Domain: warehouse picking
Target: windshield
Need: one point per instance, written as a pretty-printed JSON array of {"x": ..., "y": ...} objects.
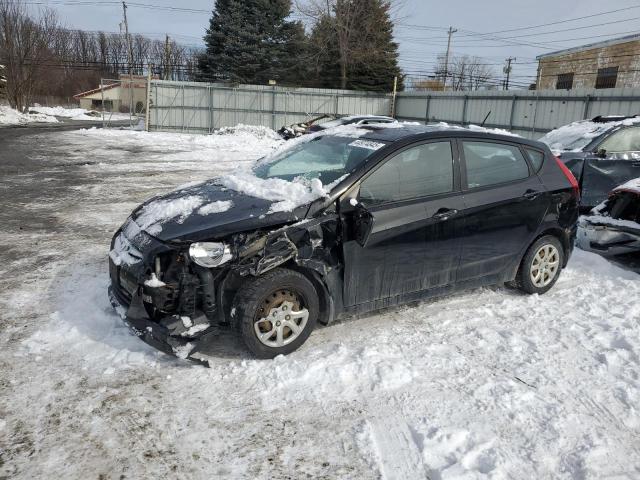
[{"x": 325, "y": 157}]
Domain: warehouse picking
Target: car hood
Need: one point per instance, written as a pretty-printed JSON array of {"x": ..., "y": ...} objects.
[{"x": 208, "y": 211}]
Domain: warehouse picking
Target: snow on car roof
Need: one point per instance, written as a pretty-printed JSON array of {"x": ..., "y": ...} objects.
[{"x": 577, "y": 135}]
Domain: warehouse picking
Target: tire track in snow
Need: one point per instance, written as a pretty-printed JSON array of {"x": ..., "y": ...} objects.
[{"x": 397, "y": 450}]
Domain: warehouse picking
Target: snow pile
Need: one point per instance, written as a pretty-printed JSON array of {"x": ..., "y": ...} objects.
[
  {"x": 577, "y": 135},
  {"x": 215, "y": 207},
  {"x": 287, "y": 195},
  {"x": 212, "y": 152},
  {"x": 78, "y": 113},
  {"x": 254, "y": 130},
  {"x": 9, "y": 116},
  {"x": 157, "y": 212},
  {"x": 73, "y": 113}
]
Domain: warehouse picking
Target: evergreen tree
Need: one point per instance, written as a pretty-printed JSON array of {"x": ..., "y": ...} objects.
[
  {"x": 325, "y": 53},
  {"x": 251, "y": 41},
  {"x": 354, "y": 47},
  {"x": 376, "y": 62}
]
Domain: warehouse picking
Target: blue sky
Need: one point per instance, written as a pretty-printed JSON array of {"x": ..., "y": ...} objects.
[{"x": 420, "y": 26}]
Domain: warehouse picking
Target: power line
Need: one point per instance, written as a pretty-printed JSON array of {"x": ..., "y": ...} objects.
[{"x": 531, "y": 27}]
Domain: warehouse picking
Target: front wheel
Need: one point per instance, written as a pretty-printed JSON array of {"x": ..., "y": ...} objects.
[
  {"x": 541, "y": 266},
  {"x": 276, "y": 312}
]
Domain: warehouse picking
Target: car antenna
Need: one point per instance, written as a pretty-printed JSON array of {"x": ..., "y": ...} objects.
[{"x": 485, "y": 119}]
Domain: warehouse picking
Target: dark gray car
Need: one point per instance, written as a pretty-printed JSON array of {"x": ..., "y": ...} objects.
[{"x": 602, "y": 153}]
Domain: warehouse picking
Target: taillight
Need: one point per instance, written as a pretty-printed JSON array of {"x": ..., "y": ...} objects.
[{"x": 570, "y": 177}]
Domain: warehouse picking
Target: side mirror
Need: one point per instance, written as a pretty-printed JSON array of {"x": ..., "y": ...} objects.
[
  {"x": 362, "y": 224},
  {"x": 601, "y": 153}
]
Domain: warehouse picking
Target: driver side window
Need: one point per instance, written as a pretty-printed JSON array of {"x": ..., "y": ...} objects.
[
  {"x": 625, "y": 140},
  {"x": 417, "y": 172}
]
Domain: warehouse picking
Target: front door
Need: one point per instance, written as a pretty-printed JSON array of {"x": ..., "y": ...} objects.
[
  {"x": 615, "y": 161},
  {"x": 402, "y": 236},
  {"x": 505, "y": 202}
]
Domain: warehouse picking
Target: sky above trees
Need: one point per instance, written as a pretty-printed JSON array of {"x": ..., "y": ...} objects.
[{"x": 420, "y": 27}]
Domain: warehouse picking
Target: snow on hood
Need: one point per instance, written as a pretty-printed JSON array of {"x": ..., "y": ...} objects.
[
  {"x": 286, "y": 195},
  {"x": 157, "y": 212},
  {"x": 577, "y": 135}
]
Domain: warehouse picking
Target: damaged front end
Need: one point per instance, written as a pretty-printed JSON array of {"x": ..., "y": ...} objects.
[
  {"x": 178, "y": 296},
  {"x": 613, "y": 227}
]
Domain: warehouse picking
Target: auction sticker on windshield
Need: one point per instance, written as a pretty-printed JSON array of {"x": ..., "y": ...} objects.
[{"x": 368, "y": 144}]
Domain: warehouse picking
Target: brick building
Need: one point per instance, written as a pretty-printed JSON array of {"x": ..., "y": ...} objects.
[{"x": 609, "y": 64}]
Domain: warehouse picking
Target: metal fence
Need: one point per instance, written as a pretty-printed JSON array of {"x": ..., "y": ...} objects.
[
  {"x": 527, "y": 113},
  {"x": 203, "y": 107}
]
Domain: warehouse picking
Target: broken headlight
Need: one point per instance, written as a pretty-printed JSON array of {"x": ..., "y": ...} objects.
[{"x": 210, "y": 254}]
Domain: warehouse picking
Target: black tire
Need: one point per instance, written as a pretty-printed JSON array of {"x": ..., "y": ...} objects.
[
  {"x": 524, "y": 279},
  {"x": 256, "y": 292}
]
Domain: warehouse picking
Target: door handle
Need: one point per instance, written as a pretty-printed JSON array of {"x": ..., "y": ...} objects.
[
  {"x": 444, "y": 214},
  {"x": 531, "y": 194},
  {"x": 635, "y": 164}
]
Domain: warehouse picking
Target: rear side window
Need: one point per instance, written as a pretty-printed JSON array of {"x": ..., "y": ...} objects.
[
  {"x": 493, "y": 163},
  {"x": 536, "y": 158},
  {"x": 417, "y": 172}
]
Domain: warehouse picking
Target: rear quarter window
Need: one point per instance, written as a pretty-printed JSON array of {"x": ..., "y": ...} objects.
[{"x": 536, "y": 158}]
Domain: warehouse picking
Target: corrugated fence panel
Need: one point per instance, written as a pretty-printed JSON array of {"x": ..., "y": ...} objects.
[
  {"x": 528, "y": 113},
  {"x": 200, "y": 107}
]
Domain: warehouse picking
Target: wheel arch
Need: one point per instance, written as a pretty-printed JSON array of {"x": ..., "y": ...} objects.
[
  {"x": 233, "y": 281},
  {"x": 553, "y": 231}
]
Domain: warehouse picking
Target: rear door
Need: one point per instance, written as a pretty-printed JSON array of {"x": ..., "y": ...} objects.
[
  {"x": 505, "y": 202},
  {"x": 403, "y": 233}
]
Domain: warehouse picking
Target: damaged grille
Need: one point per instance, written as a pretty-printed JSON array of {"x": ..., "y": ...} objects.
[{"x": 125, "y": 259}]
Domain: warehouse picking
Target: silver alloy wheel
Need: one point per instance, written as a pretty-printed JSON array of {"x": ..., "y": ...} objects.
[
  {"x": 282, "y": 325},
  {"x": 545, "y": 265}
]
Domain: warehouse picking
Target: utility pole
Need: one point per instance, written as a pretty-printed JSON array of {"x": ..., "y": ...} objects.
[
  {"x": 446, "y": 60},
  {"x": 507, "y": 70},
  {"x": 167, "y": 58},
  {"x": 126, "y": 32},
  {"x": 3, "y": 82}
]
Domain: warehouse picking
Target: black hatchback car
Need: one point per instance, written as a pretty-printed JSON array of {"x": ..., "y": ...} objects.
[{"x": 409, "y": 212}]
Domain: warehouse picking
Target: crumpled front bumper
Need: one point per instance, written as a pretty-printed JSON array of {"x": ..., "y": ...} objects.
[
  {"x": 136, "y": 318},
  {"x": 607, "y": 239}
]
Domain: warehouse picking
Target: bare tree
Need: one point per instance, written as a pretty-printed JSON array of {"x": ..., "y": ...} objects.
[
  {"x": 465, "y": 73},
  {"x": 44, "y": 61},
  {"x": 25, "y": 49}
]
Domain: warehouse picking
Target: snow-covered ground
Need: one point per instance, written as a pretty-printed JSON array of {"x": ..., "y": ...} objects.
[
  {"x": 78, "y": 113},
  {"x": 9, "y": 116},
  {"x": 39, "y": 114},
  {"x": 485, "y": 384}
]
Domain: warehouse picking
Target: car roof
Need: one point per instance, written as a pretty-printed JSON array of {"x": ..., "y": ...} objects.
[
  {"x": 363, "y": 117},
  {"x": 401, "y": 131}
]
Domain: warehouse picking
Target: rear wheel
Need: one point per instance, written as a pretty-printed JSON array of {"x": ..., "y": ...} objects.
[
  {"x": 276, "y": 312},
  {"x": 541, "y": 266}
]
